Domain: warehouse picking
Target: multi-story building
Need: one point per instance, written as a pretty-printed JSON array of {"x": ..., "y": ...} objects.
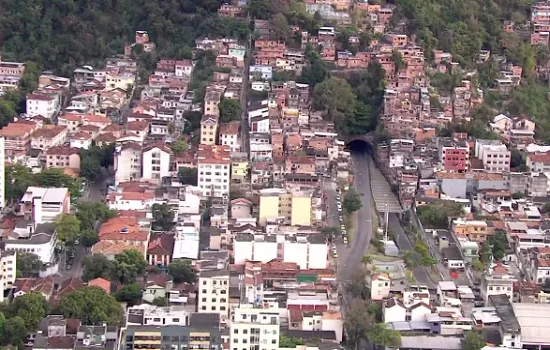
[
  {"x": 49, "y": 202},
  {"x": 17, "y": 138},
  {"x": 255, "y": 328},
  {"x": 149, "y": 315},
  {"x": 539, "y": 162},
  {"x": 494, "y": 155},
  {"x": 291, "y": 208},
  {"x": 10, "y": 74},
  {"x": 229, "y": 135},
  {"x": 211, "y": 103},
  {"x": 49, "y": 136},
  {"x": 454, "y": 155},
  {"x": 156, "y": 161},
  {"x": 214, "y": 171},
  {"x": 202, "y": 333},
  {"x": 8, "y": 261},
  {"x": 127, "y": 162},
  {"x": 497, "y": 281},
  {"x": 42, "y": 104},
  {"x": 214, "y": 293},
  {"x": 473, "y": 230},
  {"x": 209, "y": 129},
  {"x": 63, "y": 157}
]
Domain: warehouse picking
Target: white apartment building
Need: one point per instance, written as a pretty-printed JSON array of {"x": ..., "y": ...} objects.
[
  {"x": 229, "y": 135},
  {"x": 308, "y": 252},
  {"x": 8, "y": 261},
  {"x": 150, "y": 315},
  {"x": 49, "y": 202},
  {"x": 214, "y": 163},
  {"x": 41, "y": 104},
  {"x": 2, "y": 172},
  {"x": 127, "y": 162},
  {"x": 156, "y": 161},
  {"x": 494, "y": 155},
  {"x": 214, "y": 293},
  {"x": 255, "y": 328},
  {"x": 497, "y": 282}
]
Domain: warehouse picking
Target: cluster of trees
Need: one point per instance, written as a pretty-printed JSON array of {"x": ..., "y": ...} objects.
[
  {"x": 95, "y": 158},
  {"x": 126, "y": 268},
  {"x": 19, "y": 177},
  {"x": 61, "y": 34},
  {"x": 82, "y": 224},
  {"x": 92, "y": 306},
  {"x": 230, "y": 109},
  {"x": 352, "y": 201},
  {"x": 20, "y": 317},
  {"x": 188, "y": 176},
  {"x": 163, "y": 217},
  {"x": 353, "y": 102},
  {"x": 495, "y": 246},
  {"x": 420, "y": 255},
  {"x": 436, "y": 214}
]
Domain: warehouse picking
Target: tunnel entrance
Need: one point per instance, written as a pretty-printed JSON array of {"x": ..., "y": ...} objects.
[{"x": 359, "y": 146}]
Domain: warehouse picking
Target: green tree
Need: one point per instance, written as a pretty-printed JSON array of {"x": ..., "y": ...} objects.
[
  {"x": 88, "y": 213},
  {"x": 31, "y": 307},
  {"x": 68, "y": 228},
  {"x": 289, "y": 342},
  {"x": 129, "y": 264},
  {"x": 53, "y": 177},
  {"x": 280, "y": 28},
  {"x": 130, "y": 293},
  {"x": 230, "y": 109},
  {"x": 316, "y": 71},
  {"x": 437, "y": 214},
  {"x": 97, "y": 265},
  {"x": 358, "y": 321},
  {"x": 28, "y": 264},
  {"x": 498, "y": 243},
  {"x": 15, "y": 332},
  {"x": 89, "y": 237},
  {"x": 90, "y": 168},
  {"x": 398, "y": 61},
  {"x": 330, "y": 232},
  {"x": 335, "y": 98},
  {"x": 182, "y": 271},
  {"x": 478, "y": 265},
  {"x": 188, "y": 176},
  {"x": 92, "y": 306},
  {"x": 18, "y": 178},
  {"x": 366, "y": 259},
  {"x": 382, "y": 336},
  {"x": 179, "y": 146},
  {"x": 352, "y": 201},
  {"x": 357, "y": 287},
  {"x": 473, "y": 341},
  {"x": 163, "y": 217},
  {"x": 160, "y": 301}
]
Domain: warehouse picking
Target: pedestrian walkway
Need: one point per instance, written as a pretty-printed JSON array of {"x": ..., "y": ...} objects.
[{"x": 381, "y": 191}]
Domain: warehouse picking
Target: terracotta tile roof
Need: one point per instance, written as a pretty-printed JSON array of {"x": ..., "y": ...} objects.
[
  {"x": 72, "y": 117},
  {"x": 49, "y": 131},
  {"x": 163, "y": 146},
  {"x": 94, "y": 118},
  {"x": 296, "y": 315},
  {"x": 122, "y": 228},
  {"x": 68, "y": 286},
  {"x": 214, "y": 154},
  {"x": 101, "y": 283},
  {"x": 40, "y": 97},
  {"x": 131, "y": 196},
  {"x": 231, "y": 128},
  {"x": 16, "y": 129},
  {"x": 60, "y": 342},
  {"x": 90, "y": 128},
  {"x": 161, "y": 244},
  {"x": 112, "y": 248},
  {"x": 241, "y": 200},
  {"x": 107, "y": 137},
  {"x": 209, "y": 119},
  {"x": 81, "y": 135},
  {"x": 540, "y": 158},
  {"x": 137, "y": 125},
  {"x": 113, "y": 127},
  {"x": 62, "y": 150},
  {"x": 300, "y": 160},
  {"x": 158, "y": 279},
  {"x": 294, "y": 141}
]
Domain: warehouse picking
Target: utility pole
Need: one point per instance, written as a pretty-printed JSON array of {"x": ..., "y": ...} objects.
[{"x": 387, "y": 217}]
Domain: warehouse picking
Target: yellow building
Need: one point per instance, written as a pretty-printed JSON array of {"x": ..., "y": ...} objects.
[
  {"x": 209, "y": 129},
  {"x": 474, "y": 230},
  {"x": 211, "y": 103},
  {"x": 239, "y": 167},
  {"x": 301, "y": 209},
  {"x": 288, "y": 208},
  {"x": 120, "y": 81}
]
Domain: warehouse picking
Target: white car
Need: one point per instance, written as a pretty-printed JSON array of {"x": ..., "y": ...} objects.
[
  {"x": 338, "y": 197},
  {"x": 345, "y": 240}
]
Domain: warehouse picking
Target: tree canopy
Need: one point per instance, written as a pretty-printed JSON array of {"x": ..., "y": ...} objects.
[
  {"x": 28, "y": 264},
  {"x": 352, "y": 201},
  {"x": 188, "y": 176},
  {"x": 230, "y": 109},
  {"x": 163, "y": 217},
  {"x": 182, "y": 271},
  {"x": 68, "y": 228},
  {"x": 31, "y": 307},
  {"x": 92, "y": 305}
]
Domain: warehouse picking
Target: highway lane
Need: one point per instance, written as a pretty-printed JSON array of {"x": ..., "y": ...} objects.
[
  {"x": 363, "y": 232},
  {"x": 403, "y": 243}
]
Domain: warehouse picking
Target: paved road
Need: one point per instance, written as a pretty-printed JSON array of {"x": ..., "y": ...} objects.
[
  {"x": 420, "y": 273},
  {"x": 363, "y": 232},
  {"x": 244, "y": 100}
]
